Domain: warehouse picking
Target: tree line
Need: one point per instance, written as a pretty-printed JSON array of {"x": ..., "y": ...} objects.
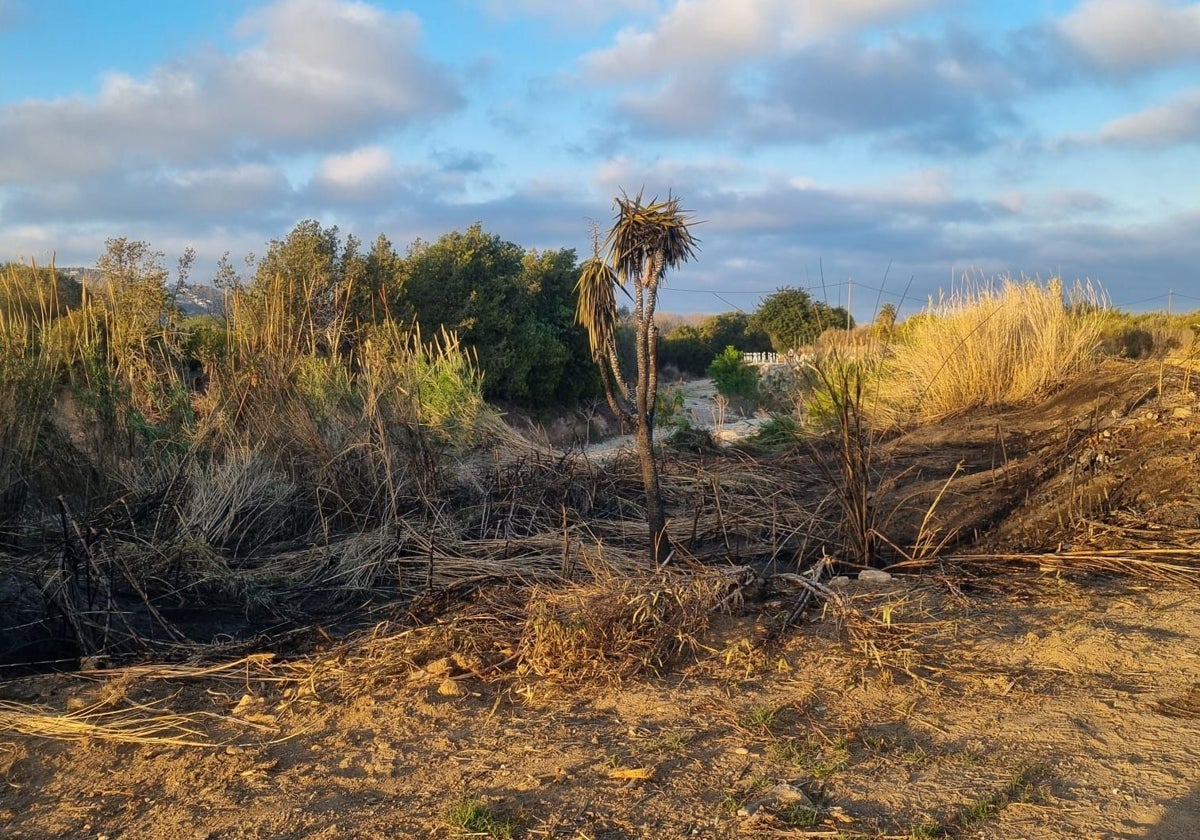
[{"x": 513, "y": 308}]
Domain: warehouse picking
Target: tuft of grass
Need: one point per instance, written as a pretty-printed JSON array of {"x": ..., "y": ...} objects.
[
  {"x": 820, "y": 761},
  {"x": 916, "y": 756},
  {"x": 761, "y": 717},
  {"x": 613, "y": 627},
  {"x": 473, "y": 817},
  {"x": 801, "y": 816},
  {"x": 990, "y": 344},
  {"x": 1028, "y": 785},
  {"x": 672, "y": 742},
  {"x": 778, "y": 432},
  {"x": 927, "y": 830}
]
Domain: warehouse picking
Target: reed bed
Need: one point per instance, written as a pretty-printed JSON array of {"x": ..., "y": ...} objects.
[{"x": 989, "y": 344}]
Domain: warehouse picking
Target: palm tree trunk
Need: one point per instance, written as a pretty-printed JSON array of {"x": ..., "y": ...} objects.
[
  {"x": 646, "y": 392},
  {"x": 656, "y": 520}
]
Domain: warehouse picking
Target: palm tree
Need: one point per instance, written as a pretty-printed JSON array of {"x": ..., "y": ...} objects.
[{"x": 645, "y": 240}]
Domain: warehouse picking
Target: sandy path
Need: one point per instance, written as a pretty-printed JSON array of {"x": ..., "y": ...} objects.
[{"x": 703, "y": 410}]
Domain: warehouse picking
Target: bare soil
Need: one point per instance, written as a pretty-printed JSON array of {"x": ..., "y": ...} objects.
[{"x": 1038, "y": 677}]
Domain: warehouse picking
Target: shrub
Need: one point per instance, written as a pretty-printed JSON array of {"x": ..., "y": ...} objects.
[
  {"x": 778, "y": 432},
  {"x": 1149, "y": 334},
  {"x": 734, "y": 378},
  {"x": 668, "y": 409}
]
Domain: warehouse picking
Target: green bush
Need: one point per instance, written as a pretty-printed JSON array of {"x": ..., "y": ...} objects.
[
  {"x": 778, "y": 432},
  {"x": 734, "y": 378},
  {"x": 668, "y": 409}
]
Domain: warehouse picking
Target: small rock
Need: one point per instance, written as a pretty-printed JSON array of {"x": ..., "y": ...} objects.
[
  {"x": 780, "y": 795},
  {"x": 786, "y": 794},
  {"x": 449, "y": 688},
  {"x": 246, "y": 705},
  {"x": 839, "y": 581},
  {"x": 874, "y": 576},
  {"x": 93, "y": 663},
  {"x": 1181, "y": 412},
  {"x": 440, "y": 667}
]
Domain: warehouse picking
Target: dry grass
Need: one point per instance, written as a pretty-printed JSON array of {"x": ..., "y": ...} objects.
[
  {"x": 988, "y": 345},
  {"x": 135, "y": 725},
  {"x": 615, "y": 627}
]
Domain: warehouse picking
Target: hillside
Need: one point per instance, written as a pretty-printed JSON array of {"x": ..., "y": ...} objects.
[{"x": 192, "y": 298}]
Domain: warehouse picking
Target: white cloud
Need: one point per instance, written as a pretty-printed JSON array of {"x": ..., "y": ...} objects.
[
  {"x": 659, "y": 176},
  {"x": 688, "y": 103},
  {"x": 931, "y": 186},
  {"x": 1157, "y": 127},
  {"x": 1011, "y": 200},
  {"x": 321, "y": 63},
  {"x": 313, "y": 74},
  {"x": 193, "y": 196},
  {"x": 1071, "y": 202},
  {"x": 228, "y": 190},
  {"x": 361, "y": 168},
  {"x": 936, "y": 94},
  {"x": 1131, "y": 35},
  {"x": 709, "y": 33}
]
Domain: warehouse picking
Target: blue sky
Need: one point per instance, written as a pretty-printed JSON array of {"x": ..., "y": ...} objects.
[{"x": 892, "y": 147}]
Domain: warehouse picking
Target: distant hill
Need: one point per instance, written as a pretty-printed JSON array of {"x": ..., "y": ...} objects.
[
  {"x": 193, "y": 299},
  {"x": 200, "y": 299}
]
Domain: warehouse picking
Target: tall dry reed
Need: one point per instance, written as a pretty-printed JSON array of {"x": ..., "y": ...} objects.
[{"x": 989, "y": 344}]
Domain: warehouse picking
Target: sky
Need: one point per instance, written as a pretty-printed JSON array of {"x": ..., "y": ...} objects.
[{"x": 869, "y": 150}]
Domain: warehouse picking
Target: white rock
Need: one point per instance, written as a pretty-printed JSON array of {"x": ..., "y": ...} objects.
[
  {"x": 874, "y": 576},
  {"x": 786, "y": 794}
]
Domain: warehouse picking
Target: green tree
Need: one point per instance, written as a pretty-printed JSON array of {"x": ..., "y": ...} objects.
[
  {"x": 645, "y": 240},
  {"x": 733, "y": 328},
  {"x": 132, "y": 362},
  {"x": 565, "y": 374},
  {"x": 792, "y": 318},
  {"x": 885, "y": 320},
  {"x": 37, "y": 291},
  {"x": 472, "y": 283},
  {"x": 691, "y": 348},
  {"x": 309, "y": 266},
  {"x": 137, "y": 280},
  {"x": 375, "y": 283},
  {"x": 684, "y": 348}
]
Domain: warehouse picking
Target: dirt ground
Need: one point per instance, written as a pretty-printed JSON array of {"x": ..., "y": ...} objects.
[{"x": 1037, "y": 678}]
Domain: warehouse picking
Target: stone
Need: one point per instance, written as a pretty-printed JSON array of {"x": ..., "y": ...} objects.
[{"x": 874, "y": 576}]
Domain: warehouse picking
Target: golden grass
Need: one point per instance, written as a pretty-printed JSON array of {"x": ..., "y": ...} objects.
[
  {"x": 137, "y": 725},
  {"x": 988, "y": 345}
]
